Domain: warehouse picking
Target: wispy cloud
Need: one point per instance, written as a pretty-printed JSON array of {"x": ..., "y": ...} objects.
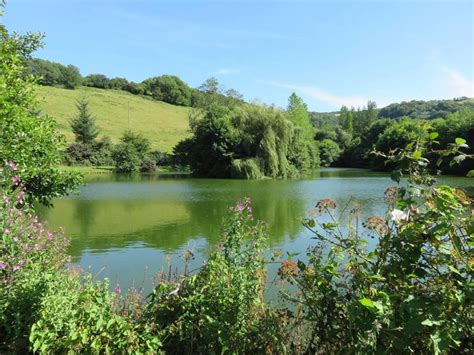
[
  {"x": 225, "y": 71},
  {"x": 457, "y": 83},
  {"x": 324, "y": 96}
]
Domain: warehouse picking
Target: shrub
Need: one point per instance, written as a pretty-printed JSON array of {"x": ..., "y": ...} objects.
[
  {"x": 29, "y": 254},
  {"x": 161, "y": 158},
  {"x": 221, "y": 308},
  {"x": 126, "y": 158},
  {"x": 329, "y": 152},
  {"x": 148, "y": 164},
  {"x": 79, "y": 153},
  {"x": 28, "y": 138},
  {"x": 411, "y": 293}
]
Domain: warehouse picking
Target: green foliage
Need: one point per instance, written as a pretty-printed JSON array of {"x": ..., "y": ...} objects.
[
  {"x": 138, "y": 141},
  {"x": 412, "y": 293},
  {"x": 246, "y": 169},
  {"x": 27, "y": 137},
  {"x": 54, "y": 74},
  {"x": 250, "y": 141},
  {"x": 126, "y": 158},
  {"x": 220, "y": 309},
  {"x": 168, "y": 88},
  {"x": 83, "y": 124},
  {"x": 329, "y": 152},
  {"x": 70, "y": 76},
  {"x": 426, "y": 109}
]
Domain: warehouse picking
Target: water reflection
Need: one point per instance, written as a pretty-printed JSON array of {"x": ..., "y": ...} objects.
[{"x": 127, "y": 223}]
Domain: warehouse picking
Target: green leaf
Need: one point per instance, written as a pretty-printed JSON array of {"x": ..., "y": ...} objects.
[
  {"x": 416, "y": 154},
  {"x": 396, "y": 175},
  {"x": 433, "y": 135},
  {"x": 470, "y": 173},
  {"x": 367, "y": 303},
  {"x": 460, "y": 141}
]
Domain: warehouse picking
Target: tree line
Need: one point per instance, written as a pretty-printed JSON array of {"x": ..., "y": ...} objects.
[{"x": 166, "y": 88}]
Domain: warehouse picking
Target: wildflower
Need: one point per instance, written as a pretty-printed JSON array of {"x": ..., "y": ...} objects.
[
  {"x": 239, "y": 207},
  {"x": 390, "y": 196},
  {"x": 399, "y": 216},
  {"x": 16, "y": 180},
  {"x": 23, "y": 261},
  {"x": 20, "y": 196},
  {"x": 16, "y": 267},
  {"x": 2, "y": 265},
  {"x": 117, "y": 289},
  {"x": 325, "y": 204},
  {"x": 376, "y": 223},
  {"x": 6, "y": 231},
  {"x": 16, "y": 239},
  {"x": 12, "y": 165},
  {"x": 5, "y": 199},
  {"x": 287, "y": 268}
]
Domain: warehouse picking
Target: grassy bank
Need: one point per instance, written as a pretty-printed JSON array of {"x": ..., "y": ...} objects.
[{"x": 115, "y": 111}]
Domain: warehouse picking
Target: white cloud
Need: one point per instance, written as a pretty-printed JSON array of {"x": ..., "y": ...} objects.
[
  {"x": 324, "y": 96},
  {"x": 457, "y": 83},
  {"x": 225, "y": 71}
]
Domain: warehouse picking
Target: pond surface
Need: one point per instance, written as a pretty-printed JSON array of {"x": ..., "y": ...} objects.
[{"x": 128, "y": 228}]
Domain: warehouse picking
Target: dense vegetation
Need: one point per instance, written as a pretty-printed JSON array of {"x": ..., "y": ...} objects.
[
  {"x": 28, "y": 137},
  {"x": 250, "y": 141},
  {"x": 343, "y": 138},
  {"x": 412, "y": 293}
]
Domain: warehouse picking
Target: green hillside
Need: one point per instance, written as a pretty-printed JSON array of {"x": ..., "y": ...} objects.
[{"x": 162, "y": 123}]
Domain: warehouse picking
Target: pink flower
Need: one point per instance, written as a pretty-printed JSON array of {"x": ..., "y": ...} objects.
[
  {"x": 16, "y": 180},
  {"x": 12, "y": 165},
  {"x": 117, "y": 289},
  {"x": 5, "y": 199},
  {"x": 16, "y": 267},
  {"x": 2, "y": 265},
  {"x": 16, "y": 239},
  {"x": 20, "y": 196}
]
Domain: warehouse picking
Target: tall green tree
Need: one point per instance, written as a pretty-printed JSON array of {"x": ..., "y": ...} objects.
[
  {"x": 346, "y": 119},
  {"x": 83, "y": 124},
  {"x": 27, "y": 138},
  {"x": 299, "y": 116}
]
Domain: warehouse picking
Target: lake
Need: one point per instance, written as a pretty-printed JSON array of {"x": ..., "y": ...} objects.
[{"x": 128, "y": 228}]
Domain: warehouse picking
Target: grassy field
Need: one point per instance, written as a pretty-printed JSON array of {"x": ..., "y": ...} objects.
[{"x": 162, "y": 123}]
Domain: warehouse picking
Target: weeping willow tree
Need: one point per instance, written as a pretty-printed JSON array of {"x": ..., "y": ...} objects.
[{"x": 251, "y": 142}]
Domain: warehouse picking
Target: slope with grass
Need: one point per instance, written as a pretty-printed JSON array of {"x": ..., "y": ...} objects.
[{"x": 116, "y": 111}]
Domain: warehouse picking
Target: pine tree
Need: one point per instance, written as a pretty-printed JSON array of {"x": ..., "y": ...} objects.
[{"x": 83, "y": 125}]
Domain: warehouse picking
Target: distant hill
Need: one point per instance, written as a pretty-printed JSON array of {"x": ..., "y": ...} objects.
[
  {"x": 115, "y": 111},
  {"x": 426, "y": 109},
  {"x": 415, "y": 109}
]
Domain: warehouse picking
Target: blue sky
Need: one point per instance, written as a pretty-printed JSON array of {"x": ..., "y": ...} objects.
[{"x": 329, "y": 52}]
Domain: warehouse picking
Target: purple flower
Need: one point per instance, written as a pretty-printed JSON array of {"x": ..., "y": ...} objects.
[
  {"x": 20, "y": 196},
  {"x": 12, "y": 165},
  {"x": 16, "y": 239},
  {"x": 16, "y": 267},
  {"x": 23, "y": 261},
  {"x": 117, "y": 289},
  {"x": 2, "y": 265},
  {"x": 239, "y": 207},
  {"x": 16, "y": 180}
]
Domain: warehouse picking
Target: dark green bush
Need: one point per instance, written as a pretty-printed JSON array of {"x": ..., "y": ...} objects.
[{"x": 126, "y": 158}]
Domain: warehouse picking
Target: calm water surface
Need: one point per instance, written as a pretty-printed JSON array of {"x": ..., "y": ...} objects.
[{"x": 128, "y": 228}]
